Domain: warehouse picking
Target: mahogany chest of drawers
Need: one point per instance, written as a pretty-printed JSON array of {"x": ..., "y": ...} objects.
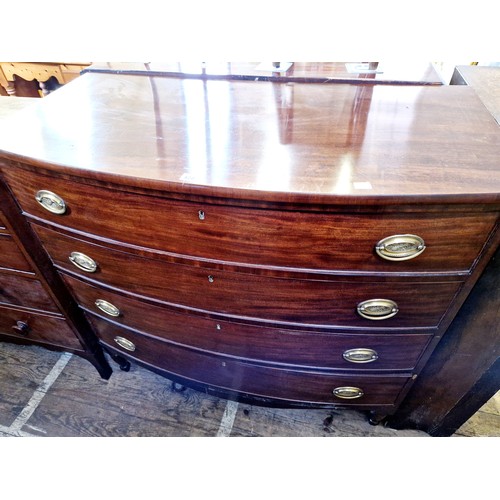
[{"x": 285, "y": 244}]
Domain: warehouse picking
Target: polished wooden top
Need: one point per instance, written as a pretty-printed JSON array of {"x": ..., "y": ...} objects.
[
  {"x": 310, "y": 143},
  {"x": 485, "y": 80}
]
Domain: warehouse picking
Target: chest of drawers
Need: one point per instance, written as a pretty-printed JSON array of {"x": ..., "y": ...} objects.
[{"x": 309, "y": 250}]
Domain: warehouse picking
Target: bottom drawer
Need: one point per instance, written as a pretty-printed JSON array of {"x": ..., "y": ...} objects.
[
  {"x": 38, "y": 328},
  {"x": 297, "y": 386}
]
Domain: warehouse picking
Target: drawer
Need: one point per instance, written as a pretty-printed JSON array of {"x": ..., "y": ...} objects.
[
  {"x": 258, "y": 237},
  {"x": 244, "y": 295},
  {"x": 24, "y": 292},
  {"x": 37, "y": 327},
  {"x": 233, "y": 375},
  {"x": 10, "y": 255},
  {"x": 267, "y": 344}
]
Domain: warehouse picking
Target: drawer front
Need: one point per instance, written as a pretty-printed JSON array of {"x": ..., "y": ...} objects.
[
  {"x": 39, "y": 328},
  {"x": 268, "y": 344},
  {"x": 232, "y": 375},
  {"x": 24, "y": 292},
  {"x": 292, "y": 301},
  {"x": 10, "y": 255},
  {"x": 258, "y": 237}
]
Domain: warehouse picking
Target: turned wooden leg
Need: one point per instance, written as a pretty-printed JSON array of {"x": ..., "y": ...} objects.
[
  {"x": 176, "y": 387},
  {"x": 11, "y": 88}
]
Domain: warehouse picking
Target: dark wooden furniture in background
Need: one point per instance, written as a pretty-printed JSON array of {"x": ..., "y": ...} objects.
[
  {"x": 464, "y": 371},
  {"x": 35, "y": 307},
  {"x": 284, "y": 243}
]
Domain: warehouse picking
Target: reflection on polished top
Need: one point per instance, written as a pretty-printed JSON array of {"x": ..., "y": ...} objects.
[
  {"x": 319, "y": 72},
  {"x": 295, "y": 141}
]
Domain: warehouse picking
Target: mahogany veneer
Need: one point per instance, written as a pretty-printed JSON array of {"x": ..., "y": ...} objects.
[{"x": 231, "y": 234}]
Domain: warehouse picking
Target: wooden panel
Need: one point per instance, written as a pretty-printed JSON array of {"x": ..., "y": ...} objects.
[
  {"x": 330, "y": 241},
  {"x": 10, "y": 255},
  {"x": 40, "y": 328},
  {"x": 270, "y": 344},
  {"x": 298, "y": 386},
  {"x": 293, "y": 301},
  {"x": 24, "y": 292}
]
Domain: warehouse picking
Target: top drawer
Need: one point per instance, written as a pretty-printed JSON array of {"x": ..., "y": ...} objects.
[{"x": 289, "y": 239}]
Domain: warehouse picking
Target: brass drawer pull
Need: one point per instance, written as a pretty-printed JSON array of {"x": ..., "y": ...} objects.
[
  {"x": 348, "y": 392},
  {"x": 360, "y": 355},
  {"x": 377, "y": 309},
  {"x": 107, "y": 308},
  {"x": 125, "y": 343},
  {"x": 400, "y": 247},
  {"x": 51, "y": 202},
  {"x": 83, "y": 262}
]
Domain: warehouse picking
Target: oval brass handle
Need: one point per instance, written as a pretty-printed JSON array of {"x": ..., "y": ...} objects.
[
  {"x": 361, "y": 355},
  {"x": 377, "y": 309},
  {"x": 83, "y": 262},
  {"x": 107, "y": 308},
  {"x": 21, "y": 327},
  {"x": 125, "y": 343},
  {"x": 400, "y": 247},
  {"x": 348, "y": 392},
  {"x": 51, "y": 202}
]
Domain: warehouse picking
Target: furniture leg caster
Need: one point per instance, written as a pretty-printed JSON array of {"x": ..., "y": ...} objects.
[
  {"x": 121, "y": 362},
  {"x": 178, "y": 387},
  {"x": 376, "y": 418}
]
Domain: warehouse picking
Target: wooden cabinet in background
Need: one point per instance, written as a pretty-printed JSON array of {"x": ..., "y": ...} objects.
[{"x": 42, "y": 72}]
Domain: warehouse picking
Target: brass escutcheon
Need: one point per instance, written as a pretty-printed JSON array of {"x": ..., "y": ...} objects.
[
  {"x": 400, "y": 247},
  {"x": 83, "y": 262},
  {"x": 360, "y": 355},
  {"x": 377, "y": 309},
  {"x": 125, "y": 343},
  {"x": 51, "y": 202},
  {"x": 107, "y": 308},
  {"x": 348, "y": 392}
]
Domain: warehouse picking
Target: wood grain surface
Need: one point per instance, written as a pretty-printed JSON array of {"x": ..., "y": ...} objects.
[{"x": 297, "y": 142}]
